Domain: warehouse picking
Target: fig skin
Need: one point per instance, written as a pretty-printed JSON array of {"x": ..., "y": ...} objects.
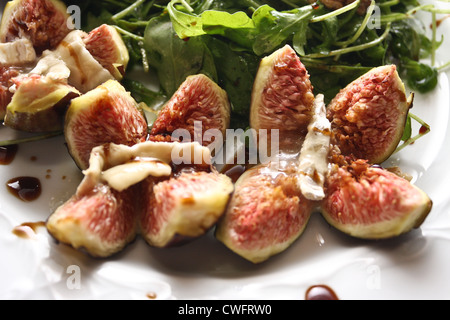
[
  {"x": 44, "y": 22},
  {"x": 197, "y": 99},
  {"x": 107, "y": 47},
  {"x": 368, "y": 116},
  {"x": 370, "y": 202},
  {"x": 39, "y": 104},
  {"x": 184, "y": 207},
  {"x": 103, "y": 115},
  {"x": 282, "y": 94}
]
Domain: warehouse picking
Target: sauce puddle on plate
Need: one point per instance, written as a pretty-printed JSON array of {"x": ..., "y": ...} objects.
[
  {"x": 25, "y": 188},
  {"x": 27, "y": 230},
  {"x": 320, "y": 292},
  {"x": 8, "y": 153}
]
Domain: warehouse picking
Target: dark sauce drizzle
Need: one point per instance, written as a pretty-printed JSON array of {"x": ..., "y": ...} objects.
[
  {"x": 320, "y": 292},
  {"x": 25, "y": 188},
  {"x": 8, "y": 153}
]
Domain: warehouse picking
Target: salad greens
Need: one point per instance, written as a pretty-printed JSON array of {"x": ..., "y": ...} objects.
[{"x": 226, "y": 39}]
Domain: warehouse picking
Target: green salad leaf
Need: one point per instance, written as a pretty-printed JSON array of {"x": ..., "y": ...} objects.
[{"x": 226, "y": 39}]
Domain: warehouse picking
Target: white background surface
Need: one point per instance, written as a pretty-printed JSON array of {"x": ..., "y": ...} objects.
[{"x": 413, "y": 266}]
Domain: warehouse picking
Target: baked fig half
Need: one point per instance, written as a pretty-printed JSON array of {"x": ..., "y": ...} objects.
[
  {"x": 369, "y": 202},
  {"x": 184, "y": 207},
  {"x": 86, "y": 73},
  {"x": 266, "y": 214},
  {"x": 368, "y": 116},
  {"x": 107, "y": 47},
  {"x": 98, "y": 220},
  {"x": 199, "y": 101},
  {"x": 105, "y": 114},
  {"x": 101, "y": 218},
  {"x": 39, "y": 104},
  {"x": 43, "y": 22},
  {"x": 282, "y": 96},
  {"x": 111, "y": 205}
]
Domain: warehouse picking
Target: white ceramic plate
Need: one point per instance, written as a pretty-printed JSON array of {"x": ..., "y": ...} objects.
[{"x": 413, "y": 266}]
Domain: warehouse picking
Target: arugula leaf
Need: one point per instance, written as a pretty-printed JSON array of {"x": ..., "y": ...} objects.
[
  {"x": 274, "y": 28},
  {"x": 173, "y": 58},
  {"x": 236, "y": 71}
]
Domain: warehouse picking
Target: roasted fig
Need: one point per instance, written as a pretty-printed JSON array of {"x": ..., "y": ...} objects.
[
  {"x": 369, "y": 202},
  {"x": 43, "y": 22},
  {"x": 197, "y": 100},
  {"x": 266, "y": 214},
  {"x": 39, "y": 105},
  {"x": 116, "y": 197},
  {"x": 103, "y": 115},
  {"x": 86, "y": 73},
  {"x": 99, "y": 220},
  {"x": 184, "y": 207},
  {"x": 282, "y": 96},
  {"x": 108, "y": 48},
  {"x": 368, "y": 116}
]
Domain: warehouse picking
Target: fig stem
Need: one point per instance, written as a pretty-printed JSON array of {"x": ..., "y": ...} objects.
[
  {"x": 336, "y": 12},
  {"x": 127, "y": 10},
  {"x": 353, "y": 48}
]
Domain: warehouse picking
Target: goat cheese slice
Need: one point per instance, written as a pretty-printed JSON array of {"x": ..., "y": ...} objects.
[
  {"x": 313, "y": 159},
  {"x": 18, "y": 52}
]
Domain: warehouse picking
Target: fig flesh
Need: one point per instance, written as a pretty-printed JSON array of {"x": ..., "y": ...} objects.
[
  {"x": 105, "y": 114},
  {"x": 6, "y": 81},
  {"x": 368, "y": 116},
  {"x": 198, "y": 100},
  {"x": 99, "y": 220},
  {"x": 369, "y": 202},
  {"x": 111, "y": 205},
  {"x": 282, "y": 96},
  {"x": 39, "y": 105},
  {"x": 107, "y": 47},
  {"x": 43, "y": 22},
  {"x": 184, "y": 207},
  {"x": 268, "y": 211},
  {"x": 266, "y": 214}
]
